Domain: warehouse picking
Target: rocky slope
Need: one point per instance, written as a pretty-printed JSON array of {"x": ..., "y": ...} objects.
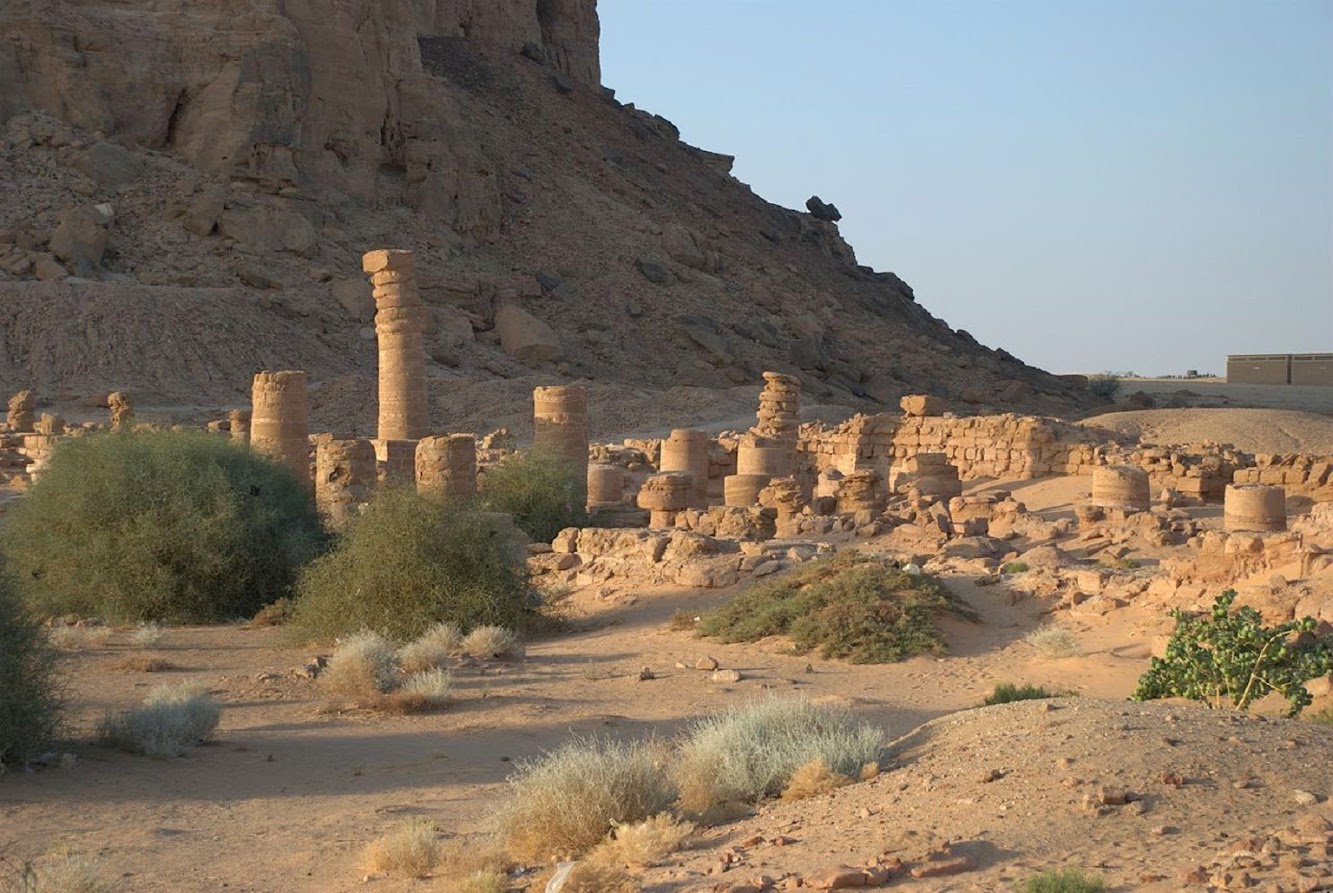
[{"x": 189, "y": 189}]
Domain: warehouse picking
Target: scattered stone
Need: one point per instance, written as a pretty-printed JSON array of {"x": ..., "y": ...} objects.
[
  {"x": 822, "y": 210},
  {"x": 527, "y": 338},
  {"x": 653, "y": 271},
  {"x": 706, "y": 663},
  {"x": 726, "y": 677}
]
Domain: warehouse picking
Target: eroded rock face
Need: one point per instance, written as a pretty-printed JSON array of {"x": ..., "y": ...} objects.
[{"x": 329, "y": 93}]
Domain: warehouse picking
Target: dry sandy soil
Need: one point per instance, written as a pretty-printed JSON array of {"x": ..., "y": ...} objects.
[
  {"x": 293, "y": 788},
  {"x": 1250, "y": 430}
]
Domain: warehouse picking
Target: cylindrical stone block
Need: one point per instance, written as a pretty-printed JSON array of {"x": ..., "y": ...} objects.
[
  {"x": 606, "y": 486},
  {"x": 345, "y": 478},
  {"x": 1255, "y": 507},
  {"x": 396, "y": 461},
  {"x": 686, "y": 450},
  {"x": 447, "y": 465},
  {"x": 668, "y": 492},
  {"x": 772, "y": 461},
  {"x": 279, "y": 425},
  {"x": 1121, "y": 487},
  {"x": 560, "y": 429},
  {"x": 742, "y": 490},
  {"x": 239, "y": 421},
  {"x": 400, "y": 324}
]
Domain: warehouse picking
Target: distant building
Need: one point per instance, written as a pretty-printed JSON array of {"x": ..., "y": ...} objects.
[{"x": 1281, "y": 368}]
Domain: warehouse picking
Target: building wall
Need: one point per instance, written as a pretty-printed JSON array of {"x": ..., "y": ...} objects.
[{"x": 1259, "y": 369}]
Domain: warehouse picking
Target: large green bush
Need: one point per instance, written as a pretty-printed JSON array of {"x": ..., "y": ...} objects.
[
  {"x": 544, "y": 493},
  {"x": 169, "y": 526},
  {"x": 407, "y": 563},
  {"x": 29, "y": 697}
]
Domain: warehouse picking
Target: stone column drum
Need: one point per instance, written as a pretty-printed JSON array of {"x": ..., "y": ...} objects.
[
  {"x": 560, "y": 429},
  {"x": 687, "y": 450},
  {"x": 663, "y": 495},
  {"x": 122, "y": 410},
  {"x": 344, "y": 478},
  {"x": 239, "y": 420},
  {"x": 1255, "y": 507},
  {"x": 447, "y": 465},
  {"x": 1121, "y": 487},
  {"x": 780, "y": 407},
  {"x": 280, "y": 423},
  {"x": 742, "y": 490},
  {"x": 606, "y": 487},
  {"x": 400, "y": 325}
]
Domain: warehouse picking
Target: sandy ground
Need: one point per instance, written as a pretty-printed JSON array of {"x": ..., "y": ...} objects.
[
  {"x": 292, "y": 789},
  {"x": 1217, "y": 392},
  {"x": 1250, "y": 430}
]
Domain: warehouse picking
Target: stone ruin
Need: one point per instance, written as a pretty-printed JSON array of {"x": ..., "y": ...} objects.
[
  {"x": 280, "y": 418},
  {"x": 400, "y": 326},
  {"x": 122, "y": 410}
]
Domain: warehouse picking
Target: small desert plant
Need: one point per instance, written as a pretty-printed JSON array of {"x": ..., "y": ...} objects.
[
  {"x": 426, "y": 690},
  {"x": 1007, "y": 692},
  {"x": 1120, "y": 564},
  {"x": 813, "y": 779},
  {"x": 408, "y": 563},
  {"x": 682, "y": 620},
  {"x": 595, "y": 877},
  {"x": 565, "y": 803},
  {"x": 544, "y": 493},
  {"x": 1105, "y": 384},
  {"x": 850, "y": 606},
  {"x": 1014, "y": 567},
  {"x": 1323, "y": 717},
  {"x": 172, "y": 718},
  {"x": 643, "y": 843},
  {"x": 431, "y": 649},
  {"x": 146, "y": 635},
  {"x": 29, "y": 693},
  {"x": 144, "y": 663},
  {"x": 363, "y": 666},
  {"x": 1053, "y": 642},
  {"x": 484, "y": 881},
  {"x": 275, "y": 614},
  {"x": 61, "y": 874},
  {"x": 488, "y": 642},
  {"x": 1227, "y": 657},
  {"x": 160, "y": 526},
  {"x": 1069, "y": 880},
  {"x": 752, "y": 752},
  {"x": 412, "y": 850}
]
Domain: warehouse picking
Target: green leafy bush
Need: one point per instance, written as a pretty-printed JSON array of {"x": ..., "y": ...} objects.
[
  {"x": 1105, "y": 384},
  {"x": 408, "y": 563},
  {"x": 160, "y": 526},
  {"x": 1007, "y": 692},
  {"x": 751, "y": 752},
  {"x": 1226, "y": 657},
  {"x": 851, "y": 606},
  {"x": 29, "y": 697},
  {"x": 544, "y": 493},
  {"x": 1069, "y": 880},
  {"x": 1014, "y": 567}
]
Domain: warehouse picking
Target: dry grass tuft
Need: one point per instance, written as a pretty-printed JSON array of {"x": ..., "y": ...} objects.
[
  {"x": 490, "y": 642},
  {"x": 146, "y": 635},
  {"x": 431, "y": 649},
  {"x": 563, "y": 804},
  {"x": 1053, "y": 642},
  {"x": 64, "y": 874},
  {"x": 413, "y": 850},
  {"x": 813, "y": 779},
  {"x": 643, "y": 843},
  {"x": 363, "y": 666},
  {"x": 172, "y": 718},
  {"x": 143, "y": 663},
  {"x": 69, "y": 637},
  {"x": 592, "y": 877},
  {"x": 277, "y": 613},
  {"x": 419, "y": 693},
  {"x": 484, "y": 881}
]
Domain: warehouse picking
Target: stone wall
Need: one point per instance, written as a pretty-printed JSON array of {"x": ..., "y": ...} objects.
[{"x": 1299, "y": 475}]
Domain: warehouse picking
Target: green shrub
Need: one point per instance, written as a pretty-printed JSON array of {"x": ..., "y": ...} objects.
[
  {"x": 850, "y": 606},
  {"x": 172, "y": 718},
  {"x": 1105, "y": 384},
  {"x": 29, "y": 697},
  {"x": 565, "y": 803},
  {"x": 1323, "y": 717},
  {"x": 408, "y": 563},
  {"x": 544, "y": 493},
  {"x": 160, "y": 526},
  {"x": 1227, "y": 657},
  {"x": 1007, "y": 692},
  {"x": 1069, "y": 880},
  {"x": 1014, "y": 567},
  {"x": 751, "y": 752}
]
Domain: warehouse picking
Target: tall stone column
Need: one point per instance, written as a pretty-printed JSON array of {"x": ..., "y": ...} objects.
[
  {"x": 400, "y": 325},
  {"x": 240, "y": 426},
  {"x": 280, "y": 420},
  {"x": 560, "y": 429},
  {"x": 686, "y": 450},
  {"x": 344, "y": 478},
  {"x": 779, "y": 414},
  {"x": 447, "y": 465}
]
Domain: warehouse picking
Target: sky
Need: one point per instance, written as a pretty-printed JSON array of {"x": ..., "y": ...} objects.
[{"x": 1093, "y": 185}]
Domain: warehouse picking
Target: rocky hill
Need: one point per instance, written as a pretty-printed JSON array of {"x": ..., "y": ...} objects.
[{"x": 189, "y": 188}]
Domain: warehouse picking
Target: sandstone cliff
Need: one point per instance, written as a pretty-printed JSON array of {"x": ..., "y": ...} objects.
[{"x": 249, "y": 150}]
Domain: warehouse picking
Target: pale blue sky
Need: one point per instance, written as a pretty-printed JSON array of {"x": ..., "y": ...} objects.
[{"x": 1138, "y": 184}]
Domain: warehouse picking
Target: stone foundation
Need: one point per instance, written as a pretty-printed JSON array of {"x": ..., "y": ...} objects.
[{"x": 447, "y": 465}]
